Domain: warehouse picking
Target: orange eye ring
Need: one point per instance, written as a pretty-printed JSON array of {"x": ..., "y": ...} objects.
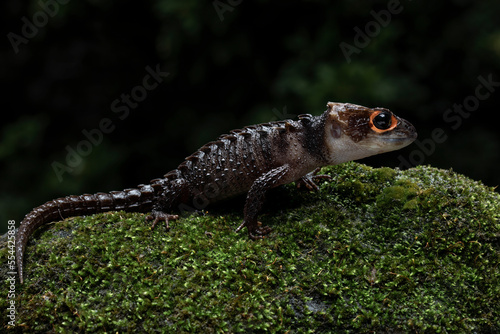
[{"x": 382, "y": 121}]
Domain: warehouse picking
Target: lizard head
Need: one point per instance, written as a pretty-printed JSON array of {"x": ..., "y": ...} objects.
[{"x": 354, "y": 132}]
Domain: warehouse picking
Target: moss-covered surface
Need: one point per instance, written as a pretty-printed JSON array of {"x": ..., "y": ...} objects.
[{"x": 375, "y": 250}]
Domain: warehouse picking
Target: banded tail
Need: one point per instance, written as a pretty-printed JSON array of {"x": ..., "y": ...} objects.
[{"x": 137, "y": 200}]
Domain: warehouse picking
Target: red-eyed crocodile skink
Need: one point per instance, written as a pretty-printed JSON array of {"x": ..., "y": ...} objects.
[{"x": 251, "y": 160}]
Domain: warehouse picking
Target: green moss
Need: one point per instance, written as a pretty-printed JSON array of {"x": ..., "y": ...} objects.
[{"x": 375, "y": 250}]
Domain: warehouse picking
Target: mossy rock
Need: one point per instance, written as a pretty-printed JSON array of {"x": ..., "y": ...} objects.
[{"x": 375, "y": 250}]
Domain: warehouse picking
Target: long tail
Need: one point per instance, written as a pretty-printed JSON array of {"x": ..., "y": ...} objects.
[{"x": 137, "y": 200}]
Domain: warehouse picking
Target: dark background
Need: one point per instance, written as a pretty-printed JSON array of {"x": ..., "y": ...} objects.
[{"x": 245, "y": 62}]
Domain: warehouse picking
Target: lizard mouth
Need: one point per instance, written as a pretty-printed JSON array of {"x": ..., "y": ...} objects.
[{"x": 400, "y": 141}]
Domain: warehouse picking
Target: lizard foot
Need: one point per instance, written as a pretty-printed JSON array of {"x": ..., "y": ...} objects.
[
  {"x": 309, "y": 180},
  {"x": 159, "y": 216},
  {"x": 255, "y": 231}
]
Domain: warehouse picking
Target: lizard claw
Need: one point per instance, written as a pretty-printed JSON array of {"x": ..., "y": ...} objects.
[
  {"x": 255, "y": 231},
  {"x": 158, "y": 216},
  {"x": 309, "y": 179}
]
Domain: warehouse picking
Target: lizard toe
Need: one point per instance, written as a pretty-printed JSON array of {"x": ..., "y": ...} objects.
[
  {"x": 309, "y": 180},
  {"x": 158, "y": 216},
  {"x": 256, "y": 230}
]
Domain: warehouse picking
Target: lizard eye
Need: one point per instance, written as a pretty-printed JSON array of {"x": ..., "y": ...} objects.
[{"x": 382, "y": 121}]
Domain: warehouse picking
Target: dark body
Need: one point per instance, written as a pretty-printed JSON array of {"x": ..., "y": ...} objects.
[{"x": 250, "y": 160}]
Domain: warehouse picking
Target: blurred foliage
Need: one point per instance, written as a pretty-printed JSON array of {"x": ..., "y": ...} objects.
[{"x": 228, "y": 67}]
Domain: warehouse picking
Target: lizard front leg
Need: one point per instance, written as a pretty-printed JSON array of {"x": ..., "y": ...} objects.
[
  {"x": 255, "y": 200},
  {"x": 309, "y": 180}
]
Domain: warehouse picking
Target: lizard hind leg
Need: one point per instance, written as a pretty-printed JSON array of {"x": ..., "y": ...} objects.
[{"x": 158, "y": 216}]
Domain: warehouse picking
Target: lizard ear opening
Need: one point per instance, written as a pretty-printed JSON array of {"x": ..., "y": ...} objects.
[{"x": 335, "y": 129}]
